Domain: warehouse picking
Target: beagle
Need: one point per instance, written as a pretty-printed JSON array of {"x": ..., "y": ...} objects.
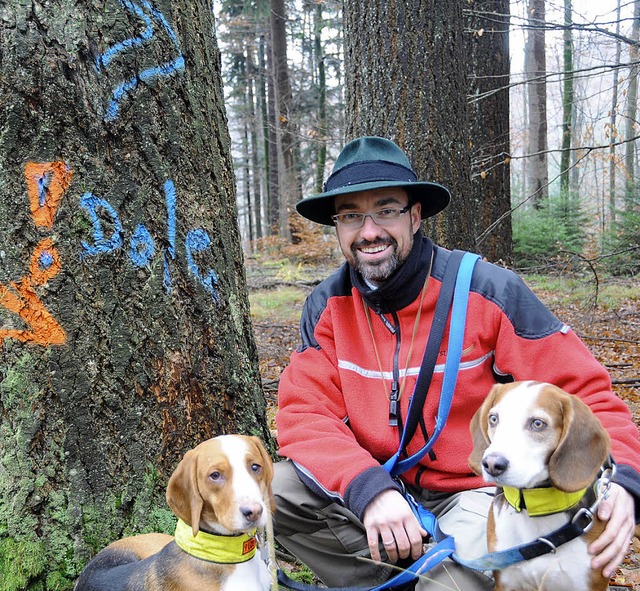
[
  {"x": 543, "y": 448},
  {"x": 221, "y": 493}
]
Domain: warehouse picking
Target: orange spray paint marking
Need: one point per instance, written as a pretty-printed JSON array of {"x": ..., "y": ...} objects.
[{"x": 46, "y": 183}]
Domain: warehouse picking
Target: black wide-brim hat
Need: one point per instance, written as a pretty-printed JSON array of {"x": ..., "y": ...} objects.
[{"x": 370, "y": 163}]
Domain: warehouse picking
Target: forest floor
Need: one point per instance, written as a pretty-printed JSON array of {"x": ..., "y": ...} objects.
[{"x": 605, "y": 314}]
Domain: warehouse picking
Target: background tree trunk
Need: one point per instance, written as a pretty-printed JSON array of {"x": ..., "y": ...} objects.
[
  {"x": 124, "y": 327},
  {"x": 614, "y": 135},
  {"x": 321, "y": 135},
  {"x": 567, "y": 104},
  {"x": 406, "y": 80},
  {"x": 488, "y": 43},
  {"x": 536, "y": 69},
  {"x": 289, "y": 185},
  {"x": 631, "y": 112}
]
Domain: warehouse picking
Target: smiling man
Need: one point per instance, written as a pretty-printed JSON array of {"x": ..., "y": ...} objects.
[
  {"x": 375, "y": 244},
  {"x": 343, "y": 399}
]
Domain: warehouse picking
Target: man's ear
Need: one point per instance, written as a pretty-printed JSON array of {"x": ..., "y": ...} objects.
[{"x": 416, "y": 216}]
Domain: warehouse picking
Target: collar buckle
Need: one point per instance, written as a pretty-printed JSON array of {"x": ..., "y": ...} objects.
[{"x": 583, "y": 519}]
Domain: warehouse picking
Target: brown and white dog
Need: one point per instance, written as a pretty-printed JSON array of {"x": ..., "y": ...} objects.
[
  {"x": 540, "y": 446},
  {"x": 221, "y": 492}
]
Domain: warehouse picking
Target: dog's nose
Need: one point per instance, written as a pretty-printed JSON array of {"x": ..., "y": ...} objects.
[
  {"x": 251, "y": 511},
  {"x": 495, "y": 464}
]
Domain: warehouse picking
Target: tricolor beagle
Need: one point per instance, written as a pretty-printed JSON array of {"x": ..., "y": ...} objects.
[
  {"x": 221, "y": 493},
  {"x": 543, "y": 448}
]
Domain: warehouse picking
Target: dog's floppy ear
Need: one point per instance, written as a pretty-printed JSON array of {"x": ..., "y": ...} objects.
[
  {"x": 479, "y": 432},
  {"x": 583, "y": 446},
  {"x": 183, "y": 493},
  {"x": 267, "y": 464}
]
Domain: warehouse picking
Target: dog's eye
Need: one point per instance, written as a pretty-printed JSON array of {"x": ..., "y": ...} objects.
[
  {"x": 256, "y": 468},
  {"x": 215, "y": 476},
  {"x": 493, "y": 419},
  {"x": 538, "y": 425}
]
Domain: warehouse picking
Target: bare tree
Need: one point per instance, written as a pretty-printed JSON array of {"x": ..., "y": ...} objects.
[
  {"x": 536, "y": 69},
  {"x": 632, "y": 110},
  {"x": 568, "y": 98},
  {"x": 289, "y": 185}
]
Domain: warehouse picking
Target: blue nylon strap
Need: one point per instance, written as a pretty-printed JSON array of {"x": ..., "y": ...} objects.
[
  {"x": 424, "y": 564},
  {"x": 395, "y": 466}
]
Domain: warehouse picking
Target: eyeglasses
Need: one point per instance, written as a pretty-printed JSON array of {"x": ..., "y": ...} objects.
[{"x": 383, "y": 217}]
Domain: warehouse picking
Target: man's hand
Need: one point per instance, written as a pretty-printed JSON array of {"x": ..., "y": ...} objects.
[
  {"x": 389, "y": 518},
  {"x": 609, "y": 549}
]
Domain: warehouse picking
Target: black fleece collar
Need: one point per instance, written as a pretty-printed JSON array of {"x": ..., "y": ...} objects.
[{"x": 405, "y": 283}]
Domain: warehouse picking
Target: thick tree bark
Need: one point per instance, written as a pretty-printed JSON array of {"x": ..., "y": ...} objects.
[
  {"x": 125, "y": 336},
  {"x": 489, "y": 115},
  {"x": 406, "y": 80}
]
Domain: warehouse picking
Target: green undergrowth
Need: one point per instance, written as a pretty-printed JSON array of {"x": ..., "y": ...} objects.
[
  {"x": 280, "y": 304},
  {"x": 583, "y": 292}
]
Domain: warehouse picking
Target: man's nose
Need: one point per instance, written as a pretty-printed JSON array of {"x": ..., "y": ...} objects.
[{"x": 370, "y": 228}]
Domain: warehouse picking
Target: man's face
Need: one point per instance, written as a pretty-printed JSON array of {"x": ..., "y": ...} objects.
[{"x": 374, "y": 250}]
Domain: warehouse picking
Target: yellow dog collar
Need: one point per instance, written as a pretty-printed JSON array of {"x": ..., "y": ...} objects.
[
  {"x": 542, "y": 501},
  {"x": 216, "y": 548}
]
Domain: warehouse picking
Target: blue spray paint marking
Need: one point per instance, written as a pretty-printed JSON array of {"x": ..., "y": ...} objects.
[
  {"x": 101, "y": 244},
  {"x": 170, "y": 200},
  {"x": 167, "y": 69},
  {"x": 141, "y": 246},
  {"x": 141, "y": 249},
  {"x": 114, "y": 50},
  {"x": 198, "y": 241},
  {"x": 45, "y": 260}
]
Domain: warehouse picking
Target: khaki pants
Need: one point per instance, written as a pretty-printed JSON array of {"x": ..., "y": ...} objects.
[{"x": 328, "y": 538}]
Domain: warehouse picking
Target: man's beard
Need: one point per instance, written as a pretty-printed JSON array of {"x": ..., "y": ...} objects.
[{"x": 377, "y": 272}]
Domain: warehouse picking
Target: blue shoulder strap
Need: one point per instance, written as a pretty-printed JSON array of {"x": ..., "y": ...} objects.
[{"x": 455, "y": 285}]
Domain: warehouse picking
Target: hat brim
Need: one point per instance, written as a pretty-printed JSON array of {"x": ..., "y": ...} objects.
[{"x": 319, "y": 208}]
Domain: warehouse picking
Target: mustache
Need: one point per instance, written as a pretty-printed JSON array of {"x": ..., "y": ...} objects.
[{"x": 369, "y": 243}]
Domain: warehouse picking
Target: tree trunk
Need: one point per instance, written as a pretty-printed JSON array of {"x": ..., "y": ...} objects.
[
  {"x": 613, "y": 126},
  {"x": 290, "y": 191},
  {"x": 254, "y": 129},
  {"x": 631, "y": 111},
  {"x": 321, "y": 130},
  {"x": 124, "y": 325},
  {"x": 537, "y": 181},
  {"x": 488, "y": 45},
  {"x": 567, "y": 104},
  {"x": 272, "y": 151},
  {"x": 406, "y": 80}
]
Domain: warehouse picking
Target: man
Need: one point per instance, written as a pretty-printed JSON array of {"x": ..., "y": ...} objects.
[{"x": 344, "y": 397}]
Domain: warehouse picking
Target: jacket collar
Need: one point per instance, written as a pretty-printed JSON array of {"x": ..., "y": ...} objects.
[
  {"x": 404, "y": 285},
  {"x": 215, "y": 547}
]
